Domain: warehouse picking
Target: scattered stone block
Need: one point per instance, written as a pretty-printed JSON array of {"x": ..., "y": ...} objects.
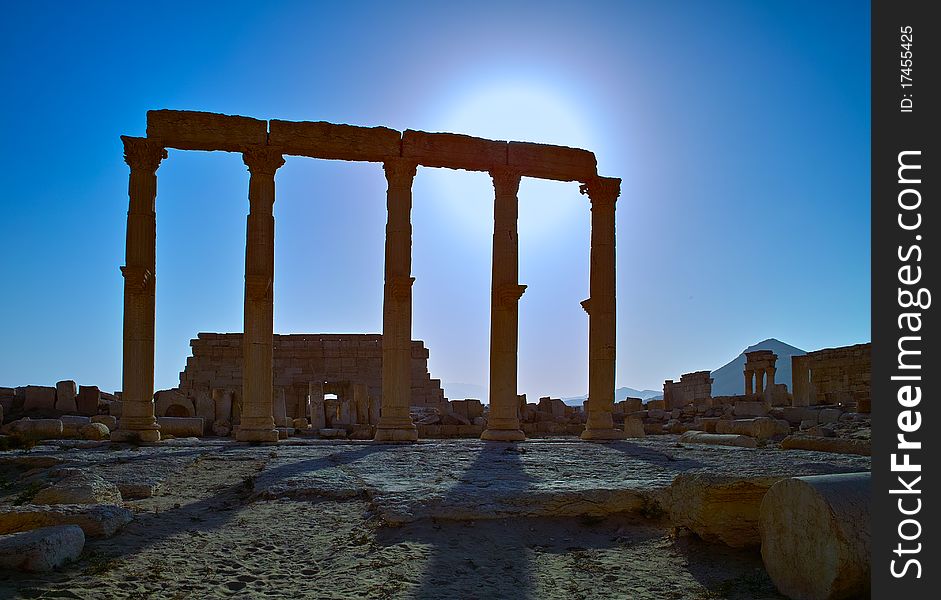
[
  {"x": 634, "y": 427},
  {"x": 35, "y": 429},
  {"x": 96, "y": 520},
  {"x": 75, "y": 486},
  {"x": 206, "y": 409},
  {"x": 331, "y": 433},
  {"x": 72, "y": 424},
  {"x": 181, "y": 426},
  {"x": 39, "y": 398},
  {"x": 109, "y": 421},
  {"x": 222, "y": 427},
  {"x": 172, "y": 403},
  {"x": 825, "y": 444},
  {"x": 719, "y": 508},
  {"x": 66, "y": 391},
  {"x": 747, "y": 408},
  {"x": 300, "y": 424},
  {"x": 137, "y": 491},
  {"x": 94, "y": 431},
  {"x": 815, "y": 536},
  {"x": 828, "y": 415},
  {"x": 42, "y": 549},
  {"x": 89, "y": 396}
]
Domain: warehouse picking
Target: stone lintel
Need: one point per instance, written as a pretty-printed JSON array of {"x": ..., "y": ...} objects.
[
  {"x": 546, "y": 161},
  {"x": 193, "y": 130},
  {"x": 453, "y": 151},
  {"x": 338, "y": 142}
]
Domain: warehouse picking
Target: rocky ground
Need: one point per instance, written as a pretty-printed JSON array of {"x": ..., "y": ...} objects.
[{"x": 554, "y": 518}]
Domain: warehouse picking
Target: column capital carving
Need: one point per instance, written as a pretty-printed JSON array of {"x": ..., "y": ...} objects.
[
  {"x": 400, "y": 287},
  {"x": 508, "y": 294},
  {"x": 143, "y": 154},
  {"x": 258, "y": 287},
  {"x": 262, "y": 160},
  {"x": 506, "y": 180},
  {"x": 138, "y": 278},
  {"x": 400, "y": 171},
  {"x": 602, "y": 191}
]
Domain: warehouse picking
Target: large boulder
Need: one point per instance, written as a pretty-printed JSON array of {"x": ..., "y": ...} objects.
[
  {"x": 719, "y": 508},
  {"x": 815, "y": 536},
  {"x": 94, "y": 431},
  {"x": 96, "y": 520},
  {"x": 42, "y": 549},
  {"x": 74, "y": 486}
]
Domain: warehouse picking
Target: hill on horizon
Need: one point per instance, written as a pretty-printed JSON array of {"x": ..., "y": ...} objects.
[{"x": 729, "y": 381}]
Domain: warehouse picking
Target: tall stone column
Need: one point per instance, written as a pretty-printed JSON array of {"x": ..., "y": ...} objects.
[
  {"x": 395, "y": 424},
  {"x": 603, "y": 193},
  {"x": 749, "y": 375},
  {"x": 759, "y": 381},
  {"x": 505, "y": 291},
  {"x": 318, "y": 418},
  {"x": 771, "y": 371},
  {"x": 258, "y": 340},
  {"x": 137, "y": 421}
]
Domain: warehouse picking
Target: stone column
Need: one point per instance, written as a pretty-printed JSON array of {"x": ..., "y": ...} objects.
[
  {"x": 759, "y": 381},
  {"x": 137, "y": 422},
  {"x": 318, "y": 419},
  {"x": 505, "y": 291},
  {"x": 395, "y": 424},
  {"x": 771, "y": 372},
  {"x": 258, "y": 340},
  {"x": 603, "y": 193},
  {"x": 749, "y": 375}
]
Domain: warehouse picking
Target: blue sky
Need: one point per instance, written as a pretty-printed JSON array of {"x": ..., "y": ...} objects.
[{"x": 740, "y": 129}]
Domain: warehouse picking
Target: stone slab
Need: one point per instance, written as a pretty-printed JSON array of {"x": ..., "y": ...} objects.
[
  {"x": 194, "y": 130},
  {"x": 319, "y": 139},
  {"x": 453, "y": 151},
  {"x": 552, "y": 162}
]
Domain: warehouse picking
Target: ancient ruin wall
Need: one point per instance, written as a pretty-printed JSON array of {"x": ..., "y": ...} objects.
[
  {"x": 834, "y": 376},
  {"x": 216, "y": 363},
  {"x": 692, "y": 388}
]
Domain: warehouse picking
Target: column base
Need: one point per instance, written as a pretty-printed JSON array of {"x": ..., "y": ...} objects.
[
  {"x": 503, "y": 435},
  {"x": 396, "y": 434},
  {"x": 603, "y": 434},
  {"x": 135, "y": 436},
  {"x": 257, "y": 435}
]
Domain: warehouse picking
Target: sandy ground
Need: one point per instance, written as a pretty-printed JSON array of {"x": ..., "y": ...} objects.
[{"x": 442, "y": 519}]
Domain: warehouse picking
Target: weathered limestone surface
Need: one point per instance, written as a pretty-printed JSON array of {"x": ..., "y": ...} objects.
[
  {"x": 301, "y": 361},
  {"x": 815, "y": 536},
  {"x": 66, "y": 391},
  {"x": 94, "y": 431},
  {"x": 89, "y": 396},
  {"x": 193, "y": 130},
  {"x": 552, "y": 162},
  {"x": 720, "y": 508},
  {"x": 39, "y": 397},
  {"x": 76, "y": 486},
  {"x": 692, "y": 388},
  {"x": 36, "y": 429},
  {"x": 172, "y": 403},
  {"x": 41, "y": 549},
  {"x": 319, "y": 139},
  {"x": 834, "y": 376},
  {"x": 181, "y": 426},
  {"x": 96, "y": 520}
]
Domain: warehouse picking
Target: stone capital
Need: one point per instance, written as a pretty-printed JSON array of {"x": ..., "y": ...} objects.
[
  {"x": 258, "y": 287},
  {"x": 400, "y": 172},
  {"x": 506, "y": 181},
  {"x": 586, "y": 306},
  {"x": 508, "y": 294},
  {"x": 400, "y": 287},
  {"x": 142, "y": 154},
  {"x": 602, "y": 191},
  {"x": 262, "y": 160},
  {"x": 139, "y": 278}
]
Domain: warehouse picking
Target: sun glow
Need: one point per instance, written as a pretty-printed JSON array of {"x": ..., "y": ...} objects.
[{"x": 518, "y": 112}]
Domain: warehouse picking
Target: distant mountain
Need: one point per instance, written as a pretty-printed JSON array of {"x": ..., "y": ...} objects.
[
  {"x": 619, "y": 394},
  {"x": 728, "y": 380}
]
